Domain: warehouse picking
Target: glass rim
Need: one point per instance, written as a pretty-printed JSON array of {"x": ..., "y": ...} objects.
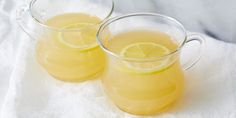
[
  {"x": 32, "y": 2},
  {"x": 109, "y": 21}
]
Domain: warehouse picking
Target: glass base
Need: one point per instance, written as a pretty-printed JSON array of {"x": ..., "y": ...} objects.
[
  {"x": 75, "y": 80},
  {"x": 148, "y": 113}
]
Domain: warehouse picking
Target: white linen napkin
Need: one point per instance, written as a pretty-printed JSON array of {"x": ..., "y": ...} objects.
[
  {"x": 8, "y": 43},
  {"x": 210, "y": 90}
]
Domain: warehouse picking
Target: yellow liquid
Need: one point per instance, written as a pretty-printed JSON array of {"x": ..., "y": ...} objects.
[
  {"x": 71, "y": 55},
  {"x": 138, "y": 91}
]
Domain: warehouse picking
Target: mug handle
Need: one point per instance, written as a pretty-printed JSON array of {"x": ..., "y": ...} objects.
[
  {"x": 22, "y": 16},
  {"x": 191, "y": 38}
]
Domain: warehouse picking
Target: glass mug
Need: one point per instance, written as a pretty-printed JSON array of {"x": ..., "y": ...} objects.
[
  {"x": 143, "y": 74},
  {"x": 65, "y": 33}
]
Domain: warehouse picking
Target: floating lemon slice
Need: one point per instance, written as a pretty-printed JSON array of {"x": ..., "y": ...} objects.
[
  {"x": 145, "y": 50},
  {"x": 81, "y": 39}
]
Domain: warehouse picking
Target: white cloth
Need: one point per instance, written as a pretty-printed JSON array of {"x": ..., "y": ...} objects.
[
  {"x": 9, "y": 42},
  {"x": 8, "y": 45},
  {"x": 210, "y": 92}
]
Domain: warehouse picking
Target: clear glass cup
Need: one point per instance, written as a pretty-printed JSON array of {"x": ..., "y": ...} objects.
[
  {"x": 65, "y": 35},
  {"x": 139, "y": 90}
]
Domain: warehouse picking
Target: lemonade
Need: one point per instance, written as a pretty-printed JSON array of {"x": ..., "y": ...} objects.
[
  {"x": 72, "y": 53},
  {"x": 140, "y": 82}
]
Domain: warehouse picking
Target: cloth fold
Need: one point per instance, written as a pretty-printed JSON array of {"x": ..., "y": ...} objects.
[{"x": 8, "y": 44}]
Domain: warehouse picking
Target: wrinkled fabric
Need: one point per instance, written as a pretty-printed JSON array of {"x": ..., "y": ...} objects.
[{"x": 210, "y": 90}]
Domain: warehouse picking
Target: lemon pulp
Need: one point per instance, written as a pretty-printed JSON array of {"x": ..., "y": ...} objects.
[
  {"x": 83, "y": 39},
  {"x": 145, "y": 50}
]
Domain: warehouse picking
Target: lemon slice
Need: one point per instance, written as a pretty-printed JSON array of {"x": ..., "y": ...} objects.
[
  {"x": 81, "y": 39},
  {"x": 145, "y": 50}
]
